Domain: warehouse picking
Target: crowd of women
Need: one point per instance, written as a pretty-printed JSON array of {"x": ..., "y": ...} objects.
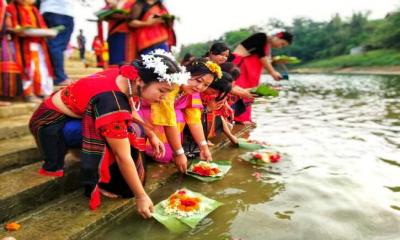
[{"x": 142, "y": 108}]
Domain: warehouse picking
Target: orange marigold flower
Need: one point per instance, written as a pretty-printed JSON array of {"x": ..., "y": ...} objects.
[{"x": 13, "y": 226}]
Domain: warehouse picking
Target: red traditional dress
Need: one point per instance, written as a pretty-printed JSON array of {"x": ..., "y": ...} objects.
[
  {"x": 156, "y": 36},
  {"x": 31, "y": 52},
  {"x": 121, "y": 39},
  {"x": 106, "y": 113},
  {"x": 98, "y": 48},
  {"x": 10, "y": 71},
  {"x": 251, "y": 67}
]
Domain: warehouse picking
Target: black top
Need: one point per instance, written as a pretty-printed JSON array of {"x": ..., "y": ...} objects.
[{"x": 255, "y": 44}]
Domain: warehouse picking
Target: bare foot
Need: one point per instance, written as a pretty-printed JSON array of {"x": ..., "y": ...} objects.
[
  {"x": 108, "y": 194},
  {"x": 209, "y": 143}
]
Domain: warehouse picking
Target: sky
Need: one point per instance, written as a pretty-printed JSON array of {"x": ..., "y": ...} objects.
[{"x": 202, "y": 20}]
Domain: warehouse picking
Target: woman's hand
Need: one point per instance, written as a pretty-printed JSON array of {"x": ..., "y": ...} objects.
[
  {"x": 242, "y": 92},
  {"x": 144, "y": 206},
  {"x": 213, "y": 105},
  {"x": 181, "y": 163},
  {"x": 205, "y": 153},
  {"x": 276, "y": 75},
  {"x": 158, "y": 146},
  {"x": 154, "y": 20}
]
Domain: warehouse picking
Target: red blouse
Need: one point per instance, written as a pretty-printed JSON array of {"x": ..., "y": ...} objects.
[{"x": 77, "y": 96}]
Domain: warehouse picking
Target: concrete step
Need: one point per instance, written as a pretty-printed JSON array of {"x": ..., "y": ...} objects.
[
  {"x": 12, "y": 127},
  {"x": 23, "y": 189},
  {"x": 76, "y": 77},
  {"x": 82, "y": 71},
  {"x": 70, "y": 218},
  {"x": 17, "y": 109},
  {"x": 17, "y": 152}
]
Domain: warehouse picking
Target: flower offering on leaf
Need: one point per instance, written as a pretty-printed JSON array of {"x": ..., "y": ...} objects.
[
  {"x": 183, "y": 210},
  {"x": 183, "y": 203},
  {"x": 206, "y": 169}
]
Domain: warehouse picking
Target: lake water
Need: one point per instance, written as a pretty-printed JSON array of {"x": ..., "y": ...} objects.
[{"x": 339, "y": 177}]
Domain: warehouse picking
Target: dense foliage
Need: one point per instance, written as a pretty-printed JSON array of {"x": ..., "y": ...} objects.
[{"x": 322, "y": 40}]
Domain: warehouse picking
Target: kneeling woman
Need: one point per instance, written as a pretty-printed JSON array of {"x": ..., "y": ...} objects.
[
  {"x": 107, "y": 103},
  {"x": 182, "y": 106}
]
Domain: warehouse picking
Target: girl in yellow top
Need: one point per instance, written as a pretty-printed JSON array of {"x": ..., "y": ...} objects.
[{"x": 182, "y": 106}]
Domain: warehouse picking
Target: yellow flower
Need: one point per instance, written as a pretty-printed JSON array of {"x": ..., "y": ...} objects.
[{"x": 215, "y": 68}]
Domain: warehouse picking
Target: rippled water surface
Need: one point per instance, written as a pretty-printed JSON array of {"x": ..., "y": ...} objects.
[{"x": 339, "y": 177}]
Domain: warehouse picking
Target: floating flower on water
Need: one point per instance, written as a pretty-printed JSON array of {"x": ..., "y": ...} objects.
[
  {"x": 257, "y": 175},
  {"x": 13, "y": 226},
  {"x": 267, "y": 156}
]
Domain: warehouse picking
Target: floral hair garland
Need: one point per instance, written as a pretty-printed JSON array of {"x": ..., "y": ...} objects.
[
  {"x": 214, "y": 68},
  {"x": 155, "y": 62}
]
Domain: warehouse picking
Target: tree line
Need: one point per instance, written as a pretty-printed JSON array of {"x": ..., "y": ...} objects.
[{"x": 316, "y": 40}]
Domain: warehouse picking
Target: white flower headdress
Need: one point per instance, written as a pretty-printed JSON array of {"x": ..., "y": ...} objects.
[{"x": 153, "y": 61}]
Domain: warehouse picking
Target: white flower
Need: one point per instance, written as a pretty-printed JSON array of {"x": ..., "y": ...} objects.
[{"x": 151, "y": 61}]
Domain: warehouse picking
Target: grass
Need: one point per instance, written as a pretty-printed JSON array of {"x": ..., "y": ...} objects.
[{"x": 377, "y": 58}]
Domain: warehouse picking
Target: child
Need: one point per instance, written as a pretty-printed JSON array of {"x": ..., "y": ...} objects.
[
  {"x": 31, "y": 52},
  {"x": 97, "y": 47}
]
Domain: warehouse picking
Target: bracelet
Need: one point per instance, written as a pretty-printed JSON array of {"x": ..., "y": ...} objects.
[
  {"x": 203, "y": 143},
  {"x": 178, "y": 152}
]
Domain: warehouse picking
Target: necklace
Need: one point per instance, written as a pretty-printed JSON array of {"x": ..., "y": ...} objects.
[{"x": 132, "y": 102}]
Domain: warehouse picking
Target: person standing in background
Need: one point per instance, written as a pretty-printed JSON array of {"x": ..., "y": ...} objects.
[
  {"x": 56, "y": 13},
  {"x": 121, "y": 39},
  {"x": 98, "y": 48},
  {"x": 10, "y": 70},
  {"x": 31, "y": 52},
  {"x": 151, "y": 29},
  {"x": 81, "y": 45}
]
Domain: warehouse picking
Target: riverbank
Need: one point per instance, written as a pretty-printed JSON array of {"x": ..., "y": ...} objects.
[
  {"x": 373, "y": 70},
  {"x": 377, "y": 62}
]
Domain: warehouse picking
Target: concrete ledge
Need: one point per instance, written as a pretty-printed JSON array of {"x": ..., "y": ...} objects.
[
  {"x": 82, "y": 71},
  {"x": 23, "y": 189},
  {"x": 12, "y": 127},
  {"x": 70, "y": 218},
  {"x": 17, "y": 152},
  {"x": 17, "y": 109}
]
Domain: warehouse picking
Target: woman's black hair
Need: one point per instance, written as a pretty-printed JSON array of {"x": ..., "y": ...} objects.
[
  {"x": 218, "y": 48},
  {"x": 187, "y": 59},
  {"x": 231, "y": 68},
  {"x": 286, "y": 36},
  {"x": 198, "y": 67},
  {"x": 148, "y": 75},
  {"x": 223, "y": 85}
]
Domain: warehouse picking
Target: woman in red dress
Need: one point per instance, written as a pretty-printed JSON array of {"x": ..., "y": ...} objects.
[
  {"x": 252, "y": 56},
  {"x": 108, "y": 103}
]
